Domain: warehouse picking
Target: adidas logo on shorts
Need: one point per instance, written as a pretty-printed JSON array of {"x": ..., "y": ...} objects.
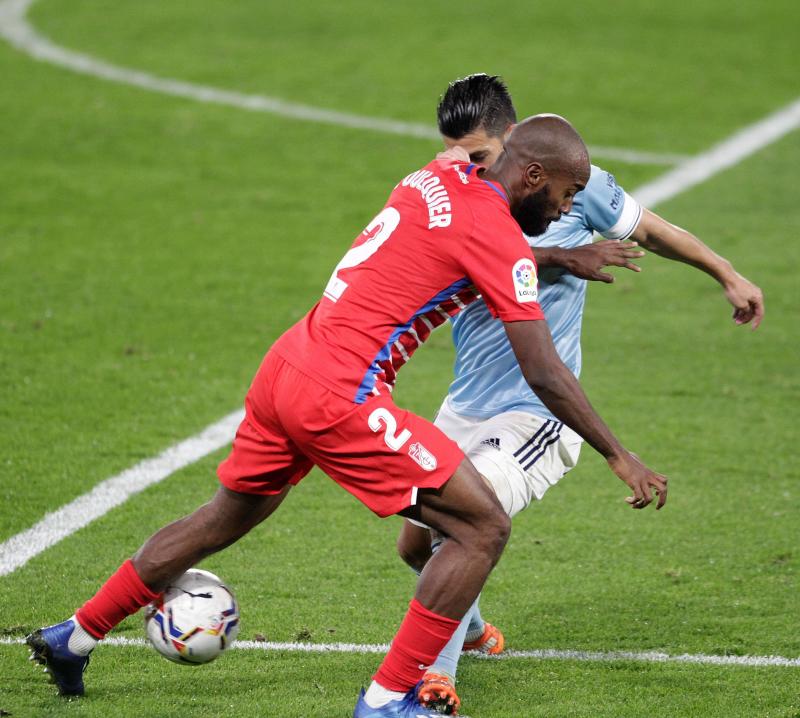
[{"x": 494, "y": 443}]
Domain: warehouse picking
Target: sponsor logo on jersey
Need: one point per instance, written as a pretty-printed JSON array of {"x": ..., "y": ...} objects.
[
  {"x": 525, "y": 281},
  {"x": 422, "y": 456},
  {"x": 494, "y": 443}
]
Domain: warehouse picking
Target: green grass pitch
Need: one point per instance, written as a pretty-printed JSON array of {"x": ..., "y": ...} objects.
[{"x": 151, "y": 249}]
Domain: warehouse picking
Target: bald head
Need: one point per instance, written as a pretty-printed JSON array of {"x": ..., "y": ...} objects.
[
  {"x": 552, "y": 142},
  {"x": 544, "y": 164}
]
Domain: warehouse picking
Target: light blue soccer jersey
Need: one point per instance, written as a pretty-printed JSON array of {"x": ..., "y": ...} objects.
[{"x": 488, "y": 380}]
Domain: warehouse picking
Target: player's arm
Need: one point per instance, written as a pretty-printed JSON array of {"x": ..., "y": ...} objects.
[
  {"x": 560, "y": 391},
  {"x": 657, "y": 235},
  {"x": 587, "y": 262},
  {"x": 502, "y": 267}
]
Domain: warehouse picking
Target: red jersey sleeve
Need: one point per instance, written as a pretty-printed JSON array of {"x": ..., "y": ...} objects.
[{"x": 499, "y": 261}]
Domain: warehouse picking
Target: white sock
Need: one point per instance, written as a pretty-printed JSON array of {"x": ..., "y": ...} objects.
[
  {"x": 81, "y": 642},
  {"x": 377, "y": 696}
]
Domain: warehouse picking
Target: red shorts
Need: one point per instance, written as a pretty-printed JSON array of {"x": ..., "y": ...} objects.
[{"x": 379, "y": 453}]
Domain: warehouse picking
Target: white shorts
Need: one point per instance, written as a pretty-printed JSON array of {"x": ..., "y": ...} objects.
[{"x": 520, "y": 454}]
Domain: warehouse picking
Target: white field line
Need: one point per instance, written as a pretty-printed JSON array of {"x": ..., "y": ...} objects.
[
  {"x": 15, "y": 28},
  {"x": 727, "y": 153},
  {"x": 71, "y": 517},
  {"x": 540, "y": 654}
]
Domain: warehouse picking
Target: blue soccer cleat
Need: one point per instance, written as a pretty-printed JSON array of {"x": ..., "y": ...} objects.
[
  {"x": 407, "y": 707},
  {"x": 49, "y": 646}
]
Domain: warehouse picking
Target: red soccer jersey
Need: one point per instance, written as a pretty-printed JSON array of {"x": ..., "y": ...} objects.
[{"x": 444, "y": 238}]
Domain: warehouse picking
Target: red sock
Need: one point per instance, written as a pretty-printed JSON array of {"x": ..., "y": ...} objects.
[
  {"x": 119, "y": 597},
  {"x": 421, "y": 638}
]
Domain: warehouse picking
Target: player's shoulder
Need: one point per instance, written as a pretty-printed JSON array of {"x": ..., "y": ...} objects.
[
  {"x": 430, "y": 190},
  {"x": 487, "y": 198},
  {"x": 436, "y": 172},
  {"x": 456, "y": 195},
  {"x": 463, "y": 178},
  {"x": 604, "y": 203},
  {"x": 602, "y": 185}
]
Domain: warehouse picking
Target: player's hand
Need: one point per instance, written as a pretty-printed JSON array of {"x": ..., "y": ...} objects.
[
  {"x": 747, "y": 300},
  {"x": 587, "y": 262},
  {"x": 643, "y": 481},
  {"x": 457, "y": 153}
]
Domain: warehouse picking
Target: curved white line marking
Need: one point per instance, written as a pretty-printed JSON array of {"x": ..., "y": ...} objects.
[
  {"x": 15, "y": 28},
  {"x": 544, "y": 654},
  {"x": 112, "y": 492}
]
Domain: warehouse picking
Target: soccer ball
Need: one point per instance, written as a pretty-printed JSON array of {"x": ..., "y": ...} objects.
[{"x": 194, "y": 620}]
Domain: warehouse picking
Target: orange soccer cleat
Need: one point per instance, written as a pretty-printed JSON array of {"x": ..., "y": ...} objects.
[
  {"x": 491, "y": 642},
  {"x": 436, "y": 691}
]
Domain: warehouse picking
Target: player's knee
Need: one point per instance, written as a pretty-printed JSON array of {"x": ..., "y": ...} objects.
[
  {"x": 408, "y": 557},
  {"x": 414, "y": 545},
  {"x": 486, "y": 536},
  {"x": 410, "y": 554},
  {"x": 495, "y": 531},
  {"x": 491, "y": 527}
]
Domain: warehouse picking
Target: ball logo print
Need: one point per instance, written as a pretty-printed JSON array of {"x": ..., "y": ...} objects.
[
  {"x": 194, "y": 620},
  {"x": 525, "y": 280}
]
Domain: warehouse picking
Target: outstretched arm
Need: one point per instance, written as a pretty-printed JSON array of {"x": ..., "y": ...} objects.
[
  {"x": 657, "y": 235},
  {"x": 558, "y": 388}
]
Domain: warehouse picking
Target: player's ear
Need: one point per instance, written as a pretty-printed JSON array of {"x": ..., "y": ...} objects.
[{"x": 534, "y": 175}]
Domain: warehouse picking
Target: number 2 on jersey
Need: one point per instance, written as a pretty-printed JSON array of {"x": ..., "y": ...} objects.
[{"x": 377, "y": 231}]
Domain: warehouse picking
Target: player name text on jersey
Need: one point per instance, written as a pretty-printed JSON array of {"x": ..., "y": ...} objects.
[{"x": 434, "y": 194}]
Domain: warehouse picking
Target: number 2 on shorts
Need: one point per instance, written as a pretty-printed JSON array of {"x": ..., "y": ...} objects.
[{"x": 394, "y": 441}]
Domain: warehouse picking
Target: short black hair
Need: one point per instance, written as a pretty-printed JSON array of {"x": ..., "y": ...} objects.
[{"x": 475, "y": 102}]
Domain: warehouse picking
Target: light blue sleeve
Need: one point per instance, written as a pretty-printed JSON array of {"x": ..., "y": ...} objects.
[{"x": 609, "y": 209}]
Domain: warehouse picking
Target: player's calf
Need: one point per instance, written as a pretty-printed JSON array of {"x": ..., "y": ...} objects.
[
  {"x": 466, "y": 511},
  {"x": 214, "y": 526}
]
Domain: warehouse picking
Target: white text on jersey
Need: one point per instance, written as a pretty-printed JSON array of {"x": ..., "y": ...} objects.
[{"x": 434, "y": 194}]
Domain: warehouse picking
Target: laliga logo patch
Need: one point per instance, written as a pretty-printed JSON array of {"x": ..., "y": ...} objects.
[
  {"x": 525, "y": 281},
  {"x": 422, "y": 456}
]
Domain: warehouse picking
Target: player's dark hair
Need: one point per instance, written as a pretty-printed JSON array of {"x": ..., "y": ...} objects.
[{"x": 475, "y": 102}]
